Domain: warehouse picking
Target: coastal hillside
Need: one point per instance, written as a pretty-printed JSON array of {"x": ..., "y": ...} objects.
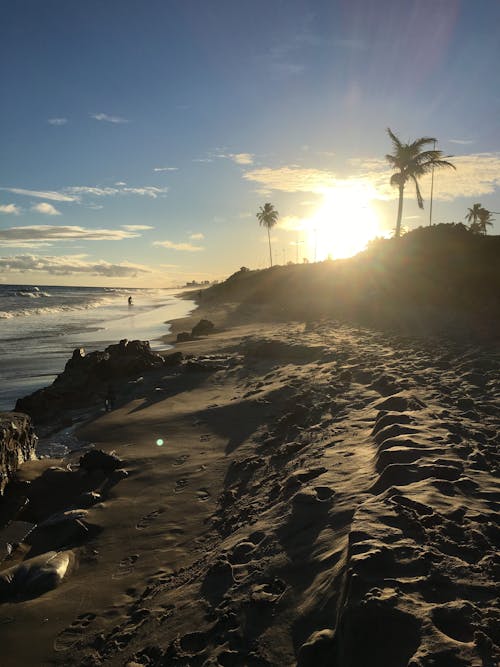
[{"x": 433, "y": 278}]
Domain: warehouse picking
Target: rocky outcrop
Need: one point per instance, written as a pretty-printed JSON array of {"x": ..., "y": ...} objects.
[
  {"x": 17, "y": 444},
  {"x": 89, "y": 378},
  {"x": 203, "y": 328}
]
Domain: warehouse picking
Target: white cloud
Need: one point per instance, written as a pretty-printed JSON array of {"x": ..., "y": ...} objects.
[
  {"x": 136, "y": 228},
  {"x": 108, "y": 119},
  {"x": 10, "y": 209},
  {"x": 291, "y": 179},
  {"x": 41, "y": 234},
  {"x": 291, "y": 223},
  {"x": 461, "y": 141},
  {"x": 242, "y": 158},
  {"x": 57, "y": 121},
  {"x": 71, "y": 264},
  {"x": 45, "y": 208},
  {"x": 165, "y": 168},
  {"x": 120, "y": 183},
  {"x": 475, "y": 175},
  {"x": 197, "y": 237},
  {"x": 189, "y": 247},
  {"x": 203, "y": 159},
  {"x": 41, "y": 194},
  {"x": 95, "y": 191}
]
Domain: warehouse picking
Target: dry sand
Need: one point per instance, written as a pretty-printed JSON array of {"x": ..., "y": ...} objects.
[{"x": 323, "y": 495}]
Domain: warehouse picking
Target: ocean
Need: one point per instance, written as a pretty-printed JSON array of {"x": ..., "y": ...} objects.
[{"x": 41, "y": 326}]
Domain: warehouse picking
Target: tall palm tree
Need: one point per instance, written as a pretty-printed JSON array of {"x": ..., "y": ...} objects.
[
  {"x": 268, "y": 217},
  {"x": 411, "y": 162}
]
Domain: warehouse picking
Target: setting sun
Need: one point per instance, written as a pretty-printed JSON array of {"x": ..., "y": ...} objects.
[{"x": 344, "y": 222}]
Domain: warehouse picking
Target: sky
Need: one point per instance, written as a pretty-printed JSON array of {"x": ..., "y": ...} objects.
[{"x": 140, "y": 137}]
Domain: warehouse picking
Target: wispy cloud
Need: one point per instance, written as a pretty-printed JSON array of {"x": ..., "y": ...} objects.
[
  {"x": 57, "y": 121},
  {"x": 291, "y": 179},
  {"x": 287, "y": 69},
  {"x": 203, "y": 159},
  {"x": 108, "y": 191},
  {"x": 38, "y": 234},
  {"x": 351, "y": 44},
  {"x": 239, "y": 158},
  {"x": 197, "y": 237},
  {"x": 71, "y": 264},
  {"x": 463, "y": 142},
  {"x": 291, "y": 223},
  {"x": 136, "y": 228},
  {"x": 41, "y": 194},
  {"x": 188, "y": 247},
  {"x": 107, "y": 118},
  {"x": 165, "y": 168},
  {"x": 45, "y": 208},
  {"x": 10, "y": 209}
]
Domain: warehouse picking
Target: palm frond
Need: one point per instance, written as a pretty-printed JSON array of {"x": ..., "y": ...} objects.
[{"x": 395, "y": 140}]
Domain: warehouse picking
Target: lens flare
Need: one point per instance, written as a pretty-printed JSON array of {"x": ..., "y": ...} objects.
[{"x": 160, "y": 442}]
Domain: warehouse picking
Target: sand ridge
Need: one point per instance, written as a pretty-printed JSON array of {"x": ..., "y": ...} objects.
[{"x": 324, "y": 495}]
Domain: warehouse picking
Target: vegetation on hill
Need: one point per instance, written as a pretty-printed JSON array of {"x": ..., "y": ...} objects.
[{"x": 432, "y": 278}]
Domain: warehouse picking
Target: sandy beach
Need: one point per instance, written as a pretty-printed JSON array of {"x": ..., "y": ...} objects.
[{"x": 311, "y": 494}]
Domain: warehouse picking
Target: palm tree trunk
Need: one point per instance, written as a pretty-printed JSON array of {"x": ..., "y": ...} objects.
[
  {"x": 270, "y": 255},
  {"x": 400, "y": 212}
]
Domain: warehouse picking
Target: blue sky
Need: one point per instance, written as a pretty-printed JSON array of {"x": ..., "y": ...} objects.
[{"x": 139, "y": 138}]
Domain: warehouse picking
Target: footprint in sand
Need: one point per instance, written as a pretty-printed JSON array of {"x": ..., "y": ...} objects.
[
  {"x": 73, "y": 633},
  {"x": 203, "y": 495},
  {"x": 205, "y": 437},
  {"x": 126, "y": 566},
  {"x": 148, "y": 519},
  {"x": 180, "y": 460},
  {"x": 180, "y": 485}
]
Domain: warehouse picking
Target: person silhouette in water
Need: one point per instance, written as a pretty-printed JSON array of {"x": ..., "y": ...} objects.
[{"x": 130, "y": 301}]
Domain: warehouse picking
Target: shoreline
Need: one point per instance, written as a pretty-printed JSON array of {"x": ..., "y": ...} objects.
[
  {"x": 292, "y": 456},
  {"x": 49, "y": 344}
]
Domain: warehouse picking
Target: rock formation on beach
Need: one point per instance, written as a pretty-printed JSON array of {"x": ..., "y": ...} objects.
[
  {"x": 17, "y": 444},
  {"x": 87, "y": 377}
]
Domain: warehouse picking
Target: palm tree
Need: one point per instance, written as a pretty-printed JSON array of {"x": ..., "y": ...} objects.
[
  {"x": 268, "y": 217},
  {"x": 473, "y": 214},
  {"x": 480, "y": 218},
  {"x": 485, "y": 220},
  {"x": 411, "y": 162}
]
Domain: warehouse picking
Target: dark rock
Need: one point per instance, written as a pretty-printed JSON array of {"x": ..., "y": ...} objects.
[
  {"x": 17, "y": 444},
  {"x": 202, "y": 365},
  {"x": 88, "y": 379},
  {"x": 183, "y": 336},
  {"x": 35, "y": 576},
  {"x": 96, "y": 459},
  {"x": 203, "y": 328},
  {"x": 87, "y": 499},
  {"x": 173, "y": 359},
  {"x": 115, "y": 477}
]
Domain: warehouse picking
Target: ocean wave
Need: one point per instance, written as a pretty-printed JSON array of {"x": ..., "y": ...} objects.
[
  {"x": 33, "y": 295},
  {"x": 48, "y": 310}
]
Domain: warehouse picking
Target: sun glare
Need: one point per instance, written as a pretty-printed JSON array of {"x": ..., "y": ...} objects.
[{"x": 344, "y": 222}]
